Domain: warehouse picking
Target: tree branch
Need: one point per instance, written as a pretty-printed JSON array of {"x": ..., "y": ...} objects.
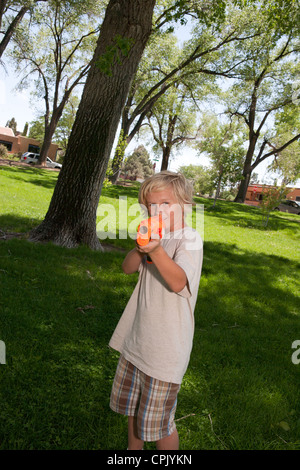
[{"x": 275, "y": 150}]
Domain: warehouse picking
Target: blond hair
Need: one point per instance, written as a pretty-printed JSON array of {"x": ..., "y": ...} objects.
[{"x": 182, "y": 188}]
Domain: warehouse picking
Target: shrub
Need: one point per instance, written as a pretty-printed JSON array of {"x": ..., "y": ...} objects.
[{"x": 3, "y": 151}]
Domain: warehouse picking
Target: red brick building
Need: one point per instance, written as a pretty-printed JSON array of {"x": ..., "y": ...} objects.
[
  {"x": 20, "y": 144},
  {"x": 255, "y": 193}
]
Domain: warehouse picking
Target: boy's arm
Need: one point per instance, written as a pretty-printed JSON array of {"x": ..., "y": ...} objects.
[
  {"x": 132, "y": 261},
  {"x": 173, "y": 274}
]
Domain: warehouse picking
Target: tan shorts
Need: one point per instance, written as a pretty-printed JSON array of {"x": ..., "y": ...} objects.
[{"x": 152, "y": 401}]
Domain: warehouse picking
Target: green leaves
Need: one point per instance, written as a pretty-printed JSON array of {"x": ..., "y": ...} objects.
[
  {"x": 114, "y": 53},
  {"x": 271, "y": 198}
]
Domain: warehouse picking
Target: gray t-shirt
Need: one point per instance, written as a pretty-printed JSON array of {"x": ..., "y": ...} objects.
[{"x": 155, "y": 332}]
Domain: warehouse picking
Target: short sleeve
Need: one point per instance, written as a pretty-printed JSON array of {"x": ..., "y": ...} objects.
[
  {"x": 142, "y": 264},
  {"x": 189, "y": 256}
]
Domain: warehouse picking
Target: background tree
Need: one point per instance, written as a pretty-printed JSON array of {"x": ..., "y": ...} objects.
[
  {"x": 271, "y": 198},
  {"x": 172, "y": 121},
  {"x": 12, "y": 123},
  {"x": 11, "y": 14},
  {"x": 56, "y": 47},
  {"x": 37, "y": 129},
  {"x": 25, "y": 129},
  {"x": 287, "y": 162},
  {"x": 263, "y": 85},
  {"x": 200, "y": 176},
  {"x": 138, "y": 164},
  {"x": 223, "y": 144},
  {"x": 65, "y": 124}
]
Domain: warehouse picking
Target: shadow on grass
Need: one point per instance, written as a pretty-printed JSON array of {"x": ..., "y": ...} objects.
[
  {"x": 42, "y": 177},
  {"x": 16, "y": 223},
  {"x": 59, "y": 308},
  {"x": 11, "y": 223},
  {"x": 241, "y": 376},
  {"x": 242, "y": 215},
  {"x": 114, "y": 191}
]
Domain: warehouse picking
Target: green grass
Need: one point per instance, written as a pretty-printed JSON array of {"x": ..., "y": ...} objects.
[{"x": 59, "y": 307}]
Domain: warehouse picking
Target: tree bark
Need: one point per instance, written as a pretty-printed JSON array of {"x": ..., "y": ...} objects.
[
  {"x": 241, "y": 195},
  {"x": 49, "y": 132},
  {"x": 218, "y": 189},
  {"x": 12, "y": 27},
  {"x": 169, "y": 142},
  {"x": 71, "y": 217},
  {"x": 50, "y": 128},
  {"x": 165, "y": 158}
]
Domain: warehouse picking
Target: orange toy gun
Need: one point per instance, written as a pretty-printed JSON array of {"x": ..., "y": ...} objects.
[{"x": 153, "y": 225}]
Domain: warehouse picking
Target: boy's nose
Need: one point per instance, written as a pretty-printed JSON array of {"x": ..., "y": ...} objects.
[{"x": 156, "y": 209}]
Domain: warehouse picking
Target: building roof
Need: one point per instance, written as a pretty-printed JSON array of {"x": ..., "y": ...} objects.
[
  {"x": 7, "y": 131},
  {"x": 262, "y": 186}
]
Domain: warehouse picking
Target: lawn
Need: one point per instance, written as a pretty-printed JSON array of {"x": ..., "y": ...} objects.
[{"x": 60, "y": 306}]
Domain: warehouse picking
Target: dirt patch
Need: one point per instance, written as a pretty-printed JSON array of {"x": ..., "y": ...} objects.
[
  {"x": 10, "y": 235},
  {"x": 23, "y": 236},
  {"x": 108, "y": 247}
]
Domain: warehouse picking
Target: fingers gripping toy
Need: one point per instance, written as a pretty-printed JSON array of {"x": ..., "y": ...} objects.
[{"x": 146, "y": 229}]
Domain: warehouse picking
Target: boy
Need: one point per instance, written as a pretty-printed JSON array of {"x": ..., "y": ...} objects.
[{"x": 155, "y": 333}]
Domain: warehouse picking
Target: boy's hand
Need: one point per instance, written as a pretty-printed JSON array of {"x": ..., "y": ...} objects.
[
  {"x": 150, "y": 247},
  {"x": 173, "y": 274}
]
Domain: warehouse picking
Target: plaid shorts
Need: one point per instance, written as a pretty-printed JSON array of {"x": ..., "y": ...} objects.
[{"x": 152, "y": 401}]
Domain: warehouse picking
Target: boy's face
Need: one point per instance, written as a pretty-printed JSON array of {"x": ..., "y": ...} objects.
[{"x": 165, "y": 203}]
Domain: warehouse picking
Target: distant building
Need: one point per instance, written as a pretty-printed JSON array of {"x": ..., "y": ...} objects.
[
  {"x": 255, "y": 193},
  {"x": 20, "y": 144}
]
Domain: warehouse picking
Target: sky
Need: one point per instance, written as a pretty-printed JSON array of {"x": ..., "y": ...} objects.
[{"x": 18, "y": 104}]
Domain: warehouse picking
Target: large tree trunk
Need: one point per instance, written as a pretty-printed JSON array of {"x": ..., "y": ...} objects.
[{"x": 71, "y": 217}]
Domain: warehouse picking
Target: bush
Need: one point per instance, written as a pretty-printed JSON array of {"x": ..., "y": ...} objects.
[
  {"x": 270, "y": 199},
  {"x": 3, "y": 151}
]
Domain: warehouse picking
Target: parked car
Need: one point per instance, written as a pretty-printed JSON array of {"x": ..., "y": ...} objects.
[
  {"x": 293, "y": 207},
  {"x": 52, "y": 164},
  {"x": 30, "y": 158}
]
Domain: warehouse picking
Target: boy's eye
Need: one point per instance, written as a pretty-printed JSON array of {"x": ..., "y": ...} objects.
[{"x": 153, "y": 205}]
